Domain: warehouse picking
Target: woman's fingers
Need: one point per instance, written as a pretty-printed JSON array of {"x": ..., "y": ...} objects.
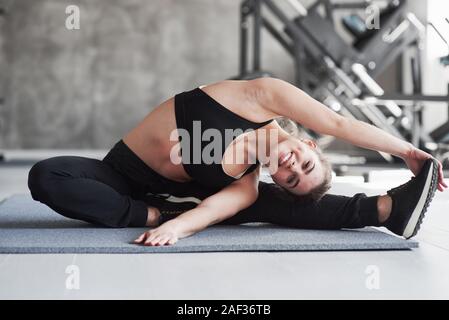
[
  {"x": 172, "y": 240},
  {"x": 422, "y": 155},
  {"x": 441, "y": 174},
  {"x": 144, "y": 237},
  {"x": 156, "y": 238},
  {"x": 441, "y": 184},
  {"x": 153, "y": 235},
  {"x": 141, "y": 238},
  {"x": 157, "y": 241},
  {"x": 164, "y": 240}
]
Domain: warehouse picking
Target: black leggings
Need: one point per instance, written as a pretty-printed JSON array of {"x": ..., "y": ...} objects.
[{"x": 111, "y": 192}]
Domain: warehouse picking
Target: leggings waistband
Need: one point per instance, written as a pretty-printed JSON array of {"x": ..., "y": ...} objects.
[{"x": 125, "y": 161}]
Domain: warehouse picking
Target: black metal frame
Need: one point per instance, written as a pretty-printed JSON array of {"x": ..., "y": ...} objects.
[
  {"x": 298, "y": 43},
  {"x": 304, "y": 47},
  {"x": 297, "y": 39}
]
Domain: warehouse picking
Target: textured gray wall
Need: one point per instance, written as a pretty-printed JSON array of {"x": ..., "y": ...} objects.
[
  {"x": 85, "y": 88},
  {"x": 2, "y": 73}
]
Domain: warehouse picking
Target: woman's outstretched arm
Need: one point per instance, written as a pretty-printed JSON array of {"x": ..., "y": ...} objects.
[
  {"x": 214, "y": 209},
  {"x": 284, "y": 99}
]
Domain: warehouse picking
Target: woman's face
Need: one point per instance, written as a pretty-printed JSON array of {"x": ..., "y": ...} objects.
[{"x": 299, "y": 167}]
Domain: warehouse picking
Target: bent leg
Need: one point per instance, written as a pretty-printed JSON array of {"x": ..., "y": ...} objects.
[{"x": 86, "y": 189}]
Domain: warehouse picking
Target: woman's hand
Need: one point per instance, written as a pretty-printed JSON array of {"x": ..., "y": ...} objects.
[
  {"x": 415, "y": 159},
  {"x": 165, "y": 234}
]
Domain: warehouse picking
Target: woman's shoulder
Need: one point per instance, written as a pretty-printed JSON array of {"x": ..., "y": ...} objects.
[{"x": 240, "y": 97}]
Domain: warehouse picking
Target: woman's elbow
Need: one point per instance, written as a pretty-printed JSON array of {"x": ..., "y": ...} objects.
[
  {"x": 262, "y": 90},
  {"x": 265, "y": 83},
  {"x": 252, "y": 197},
  {"x": 249, "y": 197},
  {"x": 339, "y": 125}
]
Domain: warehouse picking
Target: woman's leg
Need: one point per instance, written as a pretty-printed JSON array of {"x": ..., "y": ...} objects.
[
  {"x": 86, "y": 189},
  {"x": 332, "y": 212},
  {"x": 275, "y": 206}
]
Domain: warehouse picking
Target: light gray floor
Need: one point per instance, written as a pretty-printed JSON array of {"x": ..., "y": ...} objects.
[{"x": 420, "y": 273}]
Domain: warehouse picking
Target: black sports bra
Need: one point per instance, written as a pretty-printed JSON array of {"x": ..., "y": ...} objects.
[{"x": 196, "y": 112}]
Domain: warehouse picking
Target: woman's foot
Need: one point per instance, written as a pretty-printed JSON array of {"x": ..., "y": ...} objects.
[
  {"x": 163, "y": 208},
  {"x": 410, "y": 201}
]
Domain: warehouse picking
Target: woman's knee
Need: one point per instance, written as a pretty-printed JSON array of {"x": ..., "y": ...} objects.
[{"x": 40, "y": 176}]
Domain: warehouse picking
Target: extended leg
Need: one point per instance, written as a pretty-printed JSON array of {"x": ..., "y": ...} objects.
[
  {"x": 278, "y": 207},
  {"x": 331, "y": 212}
]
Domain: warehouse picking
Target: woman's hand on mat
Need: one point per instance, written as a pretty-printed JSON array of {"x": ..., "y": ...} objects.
[
  {"x": 415, "y": 159},
  {"x": 165, "y": 234}
]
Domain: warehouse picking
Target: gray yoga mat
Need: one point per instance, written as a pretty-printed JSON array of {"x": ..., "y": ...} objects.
[{"x": 27, "y": 226}]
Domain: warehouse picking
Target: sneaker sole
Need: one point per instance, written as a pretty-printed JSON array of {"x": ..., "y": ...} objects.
[
  {"x": 173, "y": 199},
  {"x": 417, "y": 216}
]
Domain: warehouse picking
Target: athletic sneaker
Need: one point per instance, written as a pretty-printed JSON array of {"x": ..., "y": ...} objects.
[
  {"x": 170, "y": 206},
  {"x": 410, "y": 201}
]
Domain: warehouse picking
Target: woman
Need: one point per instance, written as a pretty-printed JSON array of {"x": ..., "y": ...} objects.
[{"x": 151, "y": 159}]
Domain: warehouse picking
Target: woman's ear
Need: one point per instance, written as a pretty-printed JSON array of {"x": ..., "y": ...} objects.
[{"x": 309, "y": 142}]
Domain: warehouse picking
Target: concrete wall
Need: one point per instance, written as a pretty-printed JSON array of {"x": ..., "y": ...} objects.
[
  {"x": 2, "y": 70},
  {"x": 85, "y": 88}
]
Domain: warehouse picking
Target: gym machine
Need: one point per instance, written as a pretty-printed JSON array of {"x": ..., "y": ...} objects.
[
  {"x": 436, "y": 141},
  {"x": 445, "y": 59},
  {"x": 338, "y": 73}
]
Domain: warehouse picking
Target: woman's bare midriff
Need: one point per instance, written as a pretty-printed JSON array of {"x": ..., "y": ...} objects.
[{"x": 150, "y": 141}]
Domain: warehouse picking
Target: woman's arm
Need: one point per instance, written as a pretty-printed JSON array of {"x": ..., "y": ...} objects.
[
  {"x": 286, "y": 100},
  {"x": 216, "y": 208}
]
